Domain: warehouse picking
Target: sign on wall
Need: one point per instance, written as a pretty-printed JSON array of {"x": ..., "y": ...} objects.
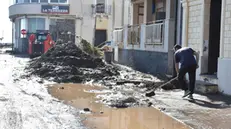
[{"x": 58, "y": 9}]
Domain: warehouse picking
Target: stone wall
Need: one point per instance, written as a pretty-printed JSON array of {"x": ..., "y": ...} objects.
[
  {"x": 155, "y": 63},
  {"x": 194, "y": 26}
]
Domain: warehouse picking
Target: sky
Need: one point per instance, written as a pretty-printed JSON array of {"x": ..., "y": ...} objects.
[{"x": 6, "y": 25}]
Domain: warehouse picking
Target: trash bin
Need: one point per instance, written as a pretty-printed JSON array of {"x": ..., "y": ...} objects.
[{"x": 108, "y": 56}]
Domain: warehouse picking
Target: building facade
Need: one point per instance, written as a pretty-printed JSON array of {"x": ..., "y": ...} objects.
[
  {"x": 206, "y": 28},
  {"x": 80, "y": 17},
  {"x": 146, "y": 35}
]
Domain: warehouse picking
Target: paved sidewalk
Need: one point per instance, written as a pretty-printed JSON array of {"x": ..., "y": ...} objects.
[{"x": 205, "y": 112}]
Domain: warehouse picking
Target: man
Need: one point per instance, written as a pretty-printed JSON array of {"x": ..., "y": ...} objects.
[{"x": 185, "y": 56}]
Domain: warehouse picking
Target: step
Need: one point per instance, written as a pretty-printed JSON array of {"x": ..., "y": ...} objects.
[{"x": 206, "y": 87}]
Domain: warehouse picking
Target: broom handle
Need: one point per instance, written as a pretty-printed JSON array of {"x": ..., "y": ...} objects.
[{"x": 166, "y": 83}]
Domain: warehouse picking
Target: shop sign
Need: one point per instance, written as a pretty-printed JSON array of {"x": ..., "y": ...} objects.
[{"x": 57, "y": 9}]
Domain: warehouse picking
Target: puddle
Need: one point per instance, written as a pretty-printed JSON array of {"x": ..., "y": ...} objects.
[{"x": 103, "y": 117}]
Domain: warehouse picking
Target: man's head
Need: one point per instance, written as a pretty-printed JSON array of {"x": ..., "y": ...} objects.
[{"x": 176, "y": 47}]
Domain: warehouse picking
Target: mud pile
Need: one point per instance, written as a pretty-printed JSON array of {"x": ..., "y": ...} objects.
[{"x": 65, "y": 62}]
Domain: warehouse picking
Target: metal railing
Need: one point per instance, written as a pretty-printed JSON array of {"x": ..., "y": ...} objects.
[
  {"x": 154, "y": 33},
  {"x": 118, "y": 35},
  {"x": 102, "y": 9},
  {"x": 133, "y": 34}
]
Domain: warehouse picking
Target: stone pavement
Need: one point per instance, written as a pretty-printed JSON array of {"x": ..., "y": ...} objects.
[{"x": 205, "y": 112}]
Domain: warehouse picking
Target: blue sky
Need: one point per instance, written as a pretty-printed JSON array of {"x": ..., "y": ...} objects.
[{"x": 5, "y": 25}]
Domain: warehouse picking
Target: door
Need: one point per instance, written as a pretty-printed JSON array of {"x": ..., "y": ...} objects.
[
  {"x": 100, "y": 37},
  {"x": 214, "y": 36}
]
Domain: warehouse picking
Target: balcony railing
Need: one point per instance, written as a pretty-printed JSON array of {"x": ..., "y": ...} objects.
[
  {"x": 118, "y": 35},
  {"x": 152, "y": 34},
  {"x": 102, "y": 9},
  {"x": 133, "y": 34}
]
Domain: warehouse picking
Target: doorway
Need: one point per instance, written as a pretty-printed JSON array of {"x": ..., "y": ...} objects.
[
  {"x": 100, "y": 37},
  {"x": 214, "y": 36}
]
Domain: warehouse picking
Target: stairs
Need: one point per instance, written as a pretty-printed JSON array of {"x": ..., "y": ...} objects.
[{"x": 206, "y": 87}]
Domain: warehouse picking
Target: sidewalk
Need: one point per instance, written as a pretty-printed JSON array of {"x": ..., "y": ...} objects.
[{"x": 205, "y": 112}]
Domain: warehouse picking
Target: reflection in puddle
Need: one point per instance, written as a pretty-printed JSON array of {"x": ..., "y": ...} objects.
[{"x": 102, "y": 117}]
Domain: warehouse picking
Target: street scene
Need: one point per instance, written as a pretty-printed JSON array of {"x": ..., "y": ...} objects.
[{"x": 115, "y": 64}]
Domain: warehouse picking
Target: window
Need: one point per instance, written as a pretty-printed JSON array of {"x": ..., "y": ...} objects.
[
  {"x": 22, "y": 1},
  {"x": 40, "y": 1},
  {"x": 34, "y": 1},
  {"x": 22, "y": 23},
  {"x": 42, "y": 37},
  {"x": 36, "y": 24},
  {"x": 62, "y": 1},
  {"x": 100, "y": 6},
  {"x": 43, "y": 1},
  {"x": 54, "y": 1}
]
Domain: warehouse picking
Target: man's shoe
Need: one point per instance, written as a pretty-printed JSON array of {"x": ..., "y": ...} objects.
[
  {"x": 190, "y": 96},
  {"x": 186, "y": 93}
]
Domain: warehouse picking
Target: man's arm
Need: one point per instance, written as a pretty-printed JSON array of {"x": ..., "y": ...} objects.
[
  {"x": 197, "y": 57},
  {"x": 176, "y": 60},
  {"x": 177, "y": 67}
]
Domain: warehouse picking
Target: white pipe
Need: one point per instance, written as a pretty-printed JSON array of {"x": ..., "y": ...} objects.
[
  {"x": 123, "y": 4},
  {"x": 202, "y": 27},
  {"x": 222, "y": 29},
  {"x": 187, "y": 22}
]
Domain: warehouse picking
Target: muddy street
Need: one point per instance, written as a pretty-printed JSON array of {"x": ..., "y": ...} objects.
[
  {"x": 27, "y": 104},
  {"x": 103, "y": 97},
  {"x": 32, "y": 102}
]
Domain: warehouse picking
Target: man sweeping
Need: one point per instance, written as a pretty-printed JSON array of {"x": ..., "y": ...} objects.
[{"x": 185, "y": 56}]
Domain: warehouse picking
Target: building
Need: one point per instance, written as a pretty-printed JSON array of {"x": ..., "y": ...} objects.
[
  {"x": 80, "y": 17},
  {"x": 207, "y": 29},
  {"x": 146, "y": 35}
]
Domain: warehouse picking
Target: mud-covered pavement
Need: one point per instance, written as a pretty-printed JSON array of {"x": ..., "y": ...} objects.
[{"x": 26, "y": 104}]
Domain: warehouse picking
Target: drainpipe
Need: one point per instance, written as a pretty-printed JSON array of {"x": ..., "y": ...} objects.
[
  {"x": 175, "y": 36},
  {"x": 113, "y": 18},
  {"x": 187, "y": 22},
  {"x": 123, "y": 4},
  {"x": 222, "y": 28},
  {"x": 186, "y": 15}
]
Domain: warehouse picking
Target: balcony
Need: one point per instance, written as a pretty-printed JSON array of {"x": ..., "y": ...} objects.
[
  {"x": 102, "y": 9},
  {"x": 149, "y": 34}
]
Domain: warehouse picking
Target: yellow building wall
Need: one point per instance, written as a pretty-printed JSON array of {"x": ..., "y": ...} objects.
[{"x": 102, "y": 23}]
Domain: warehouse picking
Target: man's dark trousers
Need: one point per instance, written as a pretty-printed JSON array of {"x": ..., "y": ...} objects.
[{"x": 191, "y": 70}]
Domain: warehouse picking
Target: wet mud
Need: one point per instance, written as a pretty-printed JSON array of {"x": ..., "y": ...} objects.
[
  {"x": 67, "y": 63},
  {"x": 99, "y": 116}
]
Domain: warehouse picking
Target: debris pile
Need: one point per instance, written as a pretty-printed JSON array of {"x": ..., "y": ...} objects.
[{"x": 65, "y": 62}]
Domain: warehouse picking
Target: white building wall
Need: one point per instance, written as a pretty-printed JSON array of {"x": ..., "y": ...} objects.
[{"x": 224, "y": 69}]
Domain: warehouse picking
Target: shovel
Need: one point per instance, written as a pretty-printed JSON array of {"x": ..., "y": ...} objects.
[{"x": 152, "y": 93}]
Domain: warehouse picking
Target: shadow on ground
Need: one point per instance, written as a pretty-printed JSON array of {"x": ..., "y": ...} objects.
[{"x": 217, "y": 101}]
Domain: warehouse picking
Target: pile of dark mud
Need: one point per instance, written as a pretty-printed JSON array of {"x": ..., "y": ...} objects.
[{"x": 65, "y": 63}]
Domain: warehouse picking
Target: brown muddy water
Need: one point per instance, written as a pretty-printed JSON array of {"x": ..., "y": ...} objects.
[{"x": 103, "y": 117}]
